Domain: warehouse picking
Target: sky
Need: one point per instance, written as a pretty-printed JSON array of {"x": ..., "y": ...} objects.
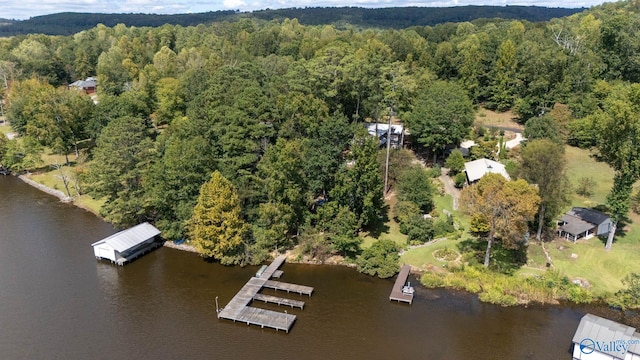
[{"x": 24, "y": 9}]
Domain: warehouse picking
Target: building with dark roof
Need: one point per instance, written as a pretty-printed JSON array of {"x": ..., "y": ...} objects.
[
  {"x": 585, "y": 223},
  {"x": 88, "y": 85}
]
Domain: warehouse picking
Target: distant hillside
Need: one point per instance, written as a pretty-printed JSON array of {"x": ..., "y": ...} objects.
[
  {"x": 5, "y": 22},
  {"x": 400, "y": 17}
]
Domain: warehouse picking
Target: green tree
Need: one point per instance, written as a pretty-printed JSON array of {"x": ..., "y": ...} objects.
[
  {"x": 415, "y": 186},
  {"x": 629, "y": 298},
  {"x": 217, "y": 229},
  {"x": 505, "y": 83},
  {"x": 544, "y": 164},
  {"x": 543, "y": 127},
  {"x": 442, "y": 115},
  {"x": 358, "y": 183},
  {"x": 619, "y": 130},
  {"x": 455, "y": 162},
  {"x": 506, "y": 206},
  {"x": 380, "y": 259},
  {"x": 120, "y": 161}
]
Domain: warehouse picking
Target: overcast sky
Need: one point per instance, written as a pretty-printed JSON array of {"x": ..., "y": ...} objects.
[{"x": 24, "y": 9}]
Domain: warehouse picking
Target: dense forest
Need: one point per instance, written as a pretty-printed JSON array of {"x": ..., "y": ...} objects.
[
  {"x": 246, "y": 136},
  {"x": 69, "y": 23}
]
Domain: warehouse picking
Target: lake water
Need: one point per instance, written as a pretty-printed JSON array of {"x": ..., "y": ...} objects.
[{"x": 58, "y": 302}]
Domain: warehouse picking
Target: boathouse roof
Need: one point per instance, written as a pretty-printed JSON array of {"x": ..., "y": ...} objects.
[
  {"x": 594, "y": 330},
  {"x": 129, "y": 238}
]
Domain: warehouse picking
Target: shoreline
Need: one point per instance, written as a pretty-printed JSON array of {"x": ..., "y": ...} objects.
[
  {"x": 57, "y": 193},
  {"x": 291, "y": 258}
]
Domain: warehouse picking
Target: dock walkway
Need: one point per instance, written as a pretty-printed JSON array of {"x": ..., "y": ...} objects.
[
  {"x": 396, "y": 292},
  {"x": 238, "y": 308}
]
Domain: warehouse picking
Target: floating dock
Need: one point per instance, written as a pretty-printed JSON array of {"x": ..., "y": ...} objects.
[
  {"x": 238, "y": 308},
  {"x": 396, "y": 293}
]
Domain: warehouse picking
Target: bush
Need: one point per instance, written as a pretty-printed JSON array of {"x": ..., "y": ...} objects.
[
  {"x": 380, "y": 259},
  {"x": 405, "y": 210},
  {"x": 434, "y": 172},
  {"x": 455, "y": 161},
  {"x": 585, "y": 186},
  {"x": 431, "y": 280},
  {"x": 635, "y": 203},
  {"x": 443, "y": 227},
  {"x": 460, "y": 180},
  {"x": 415, "y": 186},
  {"x": 418, "y": 230}
]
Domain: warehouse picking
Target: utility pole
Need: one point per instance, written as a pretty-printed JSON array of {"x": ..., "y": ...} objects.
[{"x": 386, "y": 164}]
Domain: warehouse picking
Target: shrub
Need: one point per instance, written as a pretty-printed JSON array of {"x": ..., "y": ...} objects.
[
  {"x": 432, "y": 280},
  {"x": 455, "y": 161},
  {"x": 585, "y": 186},
  {"x": 460, "y": 180},
  {"x": 380, "y": 259}
]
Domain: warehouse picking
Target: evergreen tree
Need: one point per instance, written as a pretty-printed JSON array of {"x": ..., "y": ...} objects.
[{"x": 217, "y": 229}]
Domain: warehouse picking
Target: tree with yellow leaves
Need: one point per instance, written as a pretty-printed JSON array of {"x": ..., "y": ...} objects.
[
  {"x": 505, "y": 206},
  {"x": 216, "y": 228}
]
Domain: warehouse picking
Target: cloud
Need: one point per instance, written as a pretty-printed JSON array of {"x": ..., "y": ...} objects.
[{"x": 24, "y": 9}]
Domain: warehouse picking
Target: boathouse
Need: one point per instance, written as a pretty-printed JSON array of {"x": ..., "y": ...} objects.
[
  {"x": 602, "y": 339},
  {"x": 128, "y": 244}
]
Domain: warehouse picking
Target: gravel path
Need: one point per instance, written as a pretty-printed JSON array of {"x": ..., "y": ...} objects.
[{"x": 449, "y": 187}]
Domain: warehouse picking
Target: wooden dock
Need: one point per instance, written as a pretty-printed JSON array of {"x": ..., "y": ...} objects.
[
  {"x": 396, "y": 292},
  {"x": 279, "y": 300},
  {"x": 277, "y": 285},
  {"x": 238, "y": 308}
]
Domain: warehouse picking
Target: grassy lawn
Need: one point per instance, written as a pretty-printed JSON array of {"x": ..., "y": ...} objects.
[
  {"x": 422, "y": 257},
  {"x": 588, "y": 259},
  {"x": 386, "y": 228},
  {"x": 5, "y": 129},
  {"x": 581, "y": 163},
  {"x": 488, "y": 118},
  {"x": 603, "y": 269}
]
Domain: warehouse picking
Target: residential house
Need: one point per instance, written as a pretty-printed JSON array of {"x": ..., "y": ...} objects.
[
  {"x": 381, "y": 130},
  {"x": 88, "y": 85},
  {"x": 476, "y": 169},
  {"x": 585, "y": 223}
]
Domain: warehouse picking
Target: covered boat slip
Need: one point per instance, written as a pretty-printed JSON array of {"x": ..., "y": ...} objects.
[
  {"x": 127, "y": 245},
  {"x": 238, "y": 308}
]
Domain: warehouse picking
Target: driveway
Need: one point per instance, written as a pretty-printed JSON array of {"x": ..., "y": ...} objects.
[{"x": 449, "y": 187}]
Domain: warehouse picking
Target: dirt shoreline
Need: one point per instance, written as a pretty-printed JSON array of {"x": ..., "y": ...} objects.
[{"x": 57, "y": 193}]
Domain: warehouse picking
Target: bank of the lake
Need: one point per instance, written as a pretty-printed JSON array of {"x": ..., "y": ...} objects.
[
  {"x": 57, "y": 301},
  {"x": 494, "y": 288}
]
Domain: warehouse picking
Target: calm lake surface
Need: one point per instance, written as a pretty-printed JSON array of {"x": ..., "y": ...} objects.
[{"x": 58, "y": 302}]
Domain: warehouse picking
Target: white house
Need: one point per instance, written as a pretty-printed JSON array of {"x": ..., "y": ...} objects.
[
  {"x": 602, "y": 339},
  {"x": 476, "y": 169},
  {"x": 128, "y": 244}
]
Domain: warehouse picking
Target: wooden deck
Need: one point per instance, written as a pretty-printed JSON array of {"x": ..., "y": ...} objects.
[
  {"x": 396, "y": 292},
  {"x": 238, "y": 308},
  {"x": 277, "y": 285},
  {"x": 279, "y": 300}
]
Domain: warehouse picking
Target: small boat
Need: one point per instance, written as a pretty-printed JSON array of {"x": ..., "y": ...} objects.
[{"x": 408, "y": 289}]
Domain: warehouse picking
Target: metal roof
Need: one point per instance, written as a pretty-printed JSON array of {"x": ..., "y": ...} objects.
[
  {"x": 478, "y": 168},
  {"x": 129, "y": 238},
  {"x": 574, "y": 225},
  {"x": 594, "y": 329},
  {"x": 380, "y": 129},
  {"x": 589, "y": 215}
]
